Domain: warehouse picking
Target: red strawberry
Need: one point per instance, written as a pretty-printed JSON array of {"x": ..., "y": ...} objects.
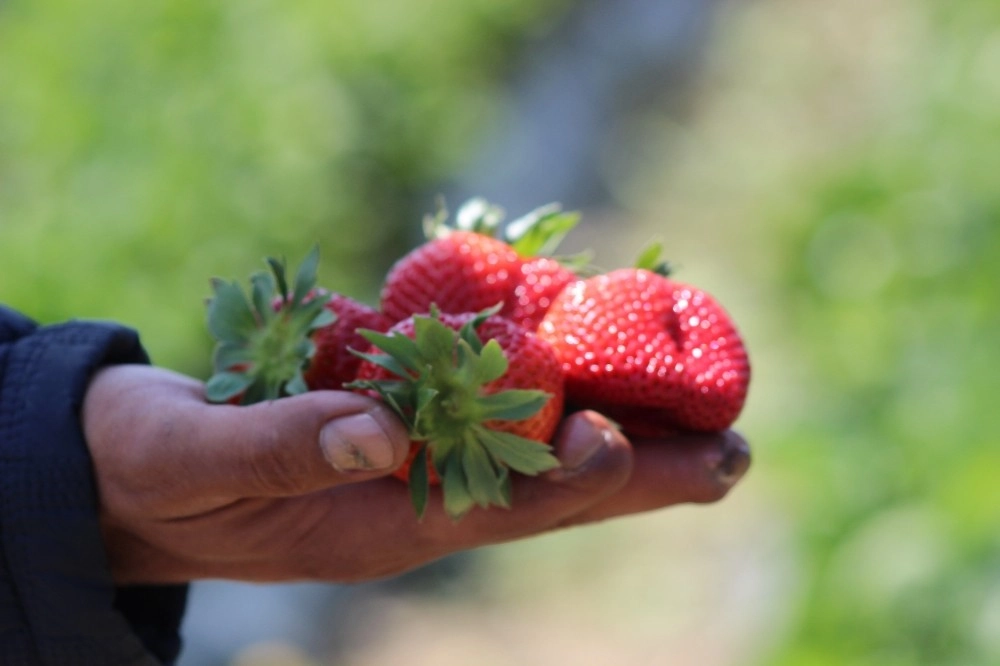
[
  {"x": 464, "y": 271},
  {"x": 656, "y": 355},
  {"x": 333, "y": 364},
  {"x": 541, "y": 279},
  {"x": 281, "y": 341},
  {"x": 480, "y": 395},
  {"x": 469, "y": 269}
]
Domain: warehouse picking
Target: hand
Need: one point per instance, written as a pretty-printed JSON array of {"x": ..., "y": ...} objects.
[{"x": 297, "y": 488}]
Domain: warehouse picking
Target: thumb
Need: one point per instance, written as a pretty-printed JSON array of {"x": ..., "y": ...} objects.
[
  {"x": 153, "y": 438},
  {"x": 305, "y": 443}
]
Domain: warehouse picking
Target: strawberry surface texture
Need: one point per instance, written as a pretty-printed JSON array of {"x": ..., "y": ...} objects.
[
  {"x": 468, "y": 271},
  {"x": 332, "y": 364},
  {"x": 656, "y": 355}
]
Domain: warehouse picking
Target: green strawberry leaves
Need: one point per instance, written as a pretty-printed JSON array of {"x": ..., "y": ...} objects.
[
  {"x": 517, "y": 453},
  {"x": 225, "y": 385},
  {"x": 263, "y": 338},
  {"x": 651, "y": 259},
  {"x": 537, "y": 233},
  {"x": 540, "y": 231},
  {"x": 486, "y": 485},
  {"x": 512, "y": 404},
  {"x": 419, "y": 482},
  {"x": 436, "y": 386}
]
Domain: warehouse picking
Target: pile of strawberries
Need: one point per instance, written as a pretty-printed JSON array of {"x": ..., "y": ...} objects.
[{"x": 483, "y": 340}]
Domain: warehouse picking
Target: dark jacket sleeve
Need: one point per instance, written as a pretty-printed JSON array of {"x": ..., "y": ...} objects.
[{"x": 58, "y": 604}]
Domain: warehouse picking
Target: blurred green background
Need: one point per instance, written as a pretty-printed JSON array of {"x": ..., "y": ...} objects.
[{"x": 830, "y": 171}]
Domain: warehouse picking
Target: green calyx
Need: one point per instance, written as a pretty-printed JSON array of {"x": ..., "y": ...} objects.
[
  {"x": 538, "y": 233},
  {"x": 263, "y": 339},
  {"x": 436, "y": 388},
  {"x": 650, "y": 259}
]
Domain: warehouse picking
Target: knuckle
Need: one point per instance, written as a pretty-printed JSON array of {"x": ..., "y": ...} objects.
[{"x": 274, "y": 471}]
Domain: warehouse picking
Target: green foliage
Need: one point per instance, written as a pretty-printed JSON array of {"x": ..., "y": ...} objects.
[
  {"x": 891, "y": 285},
  {"x": 146, "y": 147}
]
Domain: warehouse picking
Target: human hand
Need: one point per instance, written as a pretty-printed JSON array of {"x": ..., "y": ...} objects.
[{"x": 298, "y": 488}]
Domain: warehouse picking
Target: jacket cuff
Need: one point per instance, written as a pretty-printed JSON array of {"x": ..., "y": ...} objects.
[{"x": 51, "y": 538}]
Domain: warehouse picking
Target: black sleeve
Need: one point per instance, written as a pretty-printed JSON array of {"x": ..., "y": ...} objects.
[{"x": 58, "y": 604}]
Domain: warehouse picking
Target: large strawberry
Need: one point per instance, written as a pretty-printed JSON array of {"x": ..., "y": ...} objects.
[
  {"x": 281, "y": 339},
  {"x": 468, "y": 268},
  {"x": 656, "y": 355},
  {"x": 480, "y": 395}
]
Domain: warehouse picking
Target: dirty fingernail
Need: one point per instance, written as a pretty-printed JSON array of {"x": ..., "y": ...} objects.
[
  {"x": 732, "y": 460},
  {"x": 356, "y": 443}
]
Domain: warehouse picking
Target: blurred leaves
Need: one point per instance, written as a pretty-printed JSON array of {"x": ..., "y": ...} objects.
[
  {"x": 892, "y": 280},
  {"x": 145, "y": 147}
]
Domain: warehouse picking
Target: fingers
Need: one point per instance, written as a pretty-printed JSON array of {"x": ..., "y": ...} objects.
[
  {"x": 686, "y": 469},
  {"x": 356, "y": 532},
  {"x": 596, "y": 463},
  {"x": 153, "y": 436},
  {"x": 365, "y": 531},
  {"x": 602, "y": 476}
]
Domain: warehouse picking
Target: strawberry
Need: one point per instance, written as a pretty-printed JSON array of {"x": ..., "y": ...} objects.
[
  {"x": 480, "y": 395},
  {"x": 333, "y": 364},
  {"x": 656, "y": 355},
  {"x": 283, "y": 341},
  {"x": 539, "y": 282},
  {"x": 467, "y": 268}
]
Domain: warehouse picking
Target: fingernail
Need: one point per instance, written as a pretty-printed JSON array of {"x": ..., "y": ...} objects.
[
  {"x": 356, "y": 443},
  {"x": 732, "y": 461},
  {"x": 586, "y": 439}
]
